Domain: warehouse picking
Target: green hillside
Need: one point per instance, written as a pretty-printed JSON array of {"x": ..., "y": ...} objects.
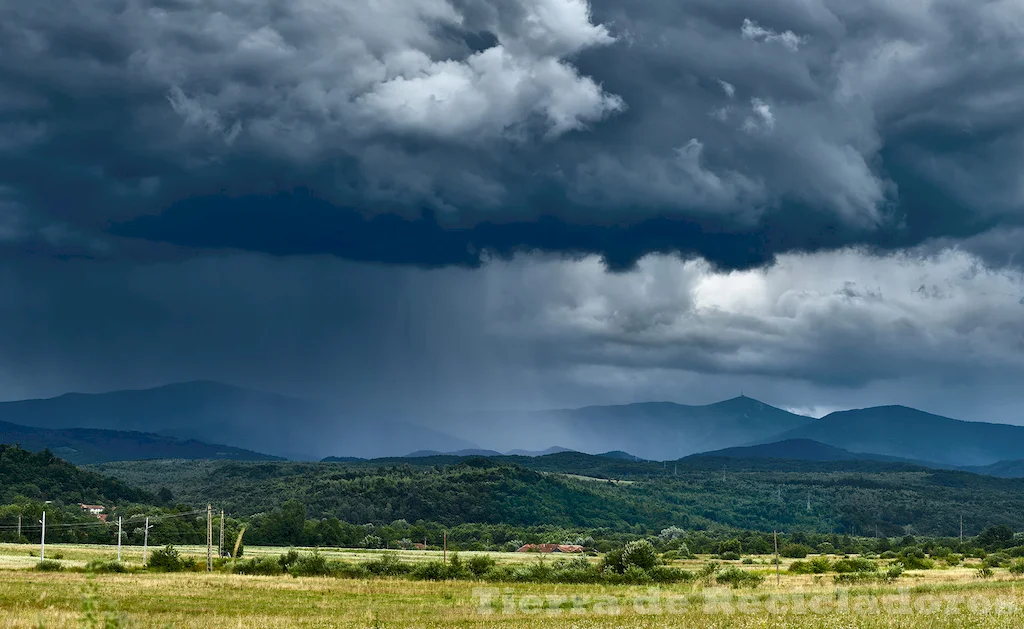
[
  {"x": 41, "y": 476},
  {"x": 571, "y": 489}
]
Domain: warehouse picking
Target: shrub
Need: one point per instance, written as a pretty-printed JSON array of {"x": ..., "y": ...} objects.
[
  {"x": 98, "y": 566},
  {"x": 737, "y": 577},
  {"x": 795, "y": 551},
  {"x": 747, "y": 561},
  {"x": 166, "y": 559},
  {"x": 1017, "y": 567},
  {"x": 288, "y": 559},
  {"x": 894, "y": 572},
  {"x": 311, "y": 565},
  {"x": 953, "y": 559},
  {"x": 612, "y": 562},
  {"x": 640, "y": 554},
  {"x": 349, "y": 570},
  {"x": 984, "y": 572},
  {"x": 799, "y": 567},
  {"x": 387, "y": 566},
  {"x": 857, "y": 564},
  {"x": 264, "y": 566},
  {"x": 372, "y": 541},
  {"x": 577, "y": 570},
  {"x": 913, "y": 558},
  {"x": 56, "y": 555},
  {"x": 49, "y": 565},
  {"x": 729, "y": 556},
  {"x": 636, "y": 575},
  {"x": 457, "y": 569},
  {"x": 707, "y": 572},
  {"x": 671, "y": 555},
  {"x": 430, "y": 571},
  {"x": 997, "y": 560},
  {"x": 666, "y": 574},
  {"x": 818, "y": 565}
]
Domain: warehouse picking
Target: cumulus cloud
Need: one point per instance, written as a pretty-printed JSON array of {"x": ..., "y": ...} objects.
[
  {"x": 761, "y": 117},
  {"x": 683, "y": 179},
  {"x": 497, "y": 112},
  {"x": 789, "y": 39},
  {"x": 845, "y": 318}
]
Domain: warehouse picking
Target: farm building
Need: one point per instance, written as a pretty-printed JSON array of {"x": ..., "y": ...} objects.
[
  {"x": 96, "y": 510},
  {"x": 550, "y": 548}
]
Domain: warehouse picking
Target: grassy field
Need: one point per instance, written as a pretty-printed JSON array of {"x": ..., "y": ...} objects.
[{"x": 935, "y": 598}]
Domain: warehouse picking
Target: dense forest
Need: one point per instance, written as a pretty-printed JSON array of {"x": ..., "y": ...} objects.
[
  {"x": 578, "y": 491},
  {"x": 500, "y": 503}
]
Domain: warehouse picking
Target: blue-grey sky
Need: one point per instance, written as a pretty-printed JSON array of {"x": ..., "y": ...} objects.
[{"x": 450, "y": 204}]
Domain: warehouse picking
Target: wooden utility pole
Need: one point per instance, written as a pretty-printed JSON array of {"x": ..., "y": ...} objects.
[
  {"x": 778, "y": 578},
  {"x": 444, "y": 556},
  {"x": 118, "y": 539},
  {"x": 19, "y": 527},
  {"x": 42, "y": 540},
  {"x": 145, "y": 541},
  {"x": 961, "y": 529},
  {"x": 220, "y": 547},
  {"x": 209, "y": 538}
]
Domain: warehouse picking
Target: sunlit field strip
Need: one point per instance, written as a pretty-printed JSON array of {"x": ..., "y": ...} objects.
[{"x": 953, "y": 597}]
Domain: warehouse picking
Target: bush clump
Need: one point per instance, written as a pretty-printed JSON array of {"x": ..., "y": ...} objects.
[
  {"x": 817, "y": 565},
  {"x": 98, "y": 566},
  {"x": 737, "y": 578},
  {"x": 388, "y": 566},
  {"x": 640, "y": 554},
  {"x": 311, "y": 565},
  {"x": 997, "y": 560},
  {"x": 261, "y": 566},
  {"x": 166, "y": 559},
  {"x": 795, "y": 551},
  {"x": 49, "y": 565},
  {"x": 893, "y": 573},
  {"x": 853, "y": 564},
  {"x": 915, "y": 559},
  {"x": 480, "y": 565}
]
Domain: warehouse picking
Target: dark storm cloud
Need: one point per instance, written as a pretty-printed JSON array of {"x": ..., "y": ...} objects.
[
  {"x": 626, "y": 128},
  {"x": 498, "y": 156},
  {"x": 299, "y": 223}
]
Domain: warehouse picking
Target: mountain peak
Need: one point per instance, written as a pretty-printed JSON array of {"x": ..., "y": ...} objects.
[{"x": 741, "y": 402}]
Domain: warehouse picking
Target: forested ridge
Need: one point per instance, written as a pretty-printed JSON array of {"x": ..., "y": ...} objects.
[{"x": 847, "y": 497}]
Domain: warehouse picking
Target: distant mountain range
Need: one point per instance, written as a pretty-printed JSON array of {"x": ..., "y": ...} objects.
[
  {"x": 908, "y": 433},
  {"x": 419, "y": 454},
  {"x": 182, "y": 421},
  {"x": 83, "y": 446},
  {"x": 217, "y": 413},
  {"x": 651, "y": 430}
]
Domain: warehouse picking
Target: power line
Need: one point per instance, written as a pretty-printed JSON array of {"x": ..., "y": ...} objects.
[{"x": 68, "y": 525}]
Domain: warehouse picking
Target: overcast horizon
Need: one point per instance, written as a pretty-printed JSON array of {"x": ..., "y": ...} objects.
[{"x": 437, "y": 206}]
